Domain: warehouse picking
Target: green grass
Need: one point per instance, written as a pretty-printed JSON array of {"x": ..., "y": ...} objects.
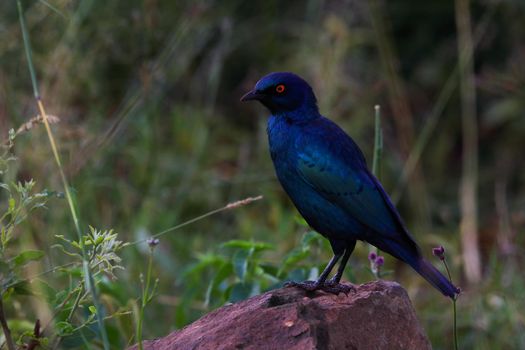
[{"x": 151, "y": 135}]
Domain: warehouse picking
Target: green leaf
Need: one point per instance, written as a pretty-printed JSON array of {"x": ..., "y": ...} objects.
[
  {"x": 20, "y": 326},
  {"x": 300, "y": 220},
  {"x": 297, "y": 275},
  {"x": 247, "y": 245},
  {"x": 310, "y": 237},
  {"x": 64, "y": 328},
  {"x": 59, "y": 297},
  {"x": 78, "y": 338},
  {"x": 295, "y": 256},
  {"x": 27, "y": 256},
  {"x": 22, "y": 288},
  {"x": 44, "y": 290},
  {"x": 225, "y": 271},
  {"x": 99, "y": 240},
  {"x": 241, "y": 291},
  {"x": 269, "y": 269},
  {"x": 205, "y": 261},
  {"x": 12, "y": 204},
  {"x": 92, "y": 309},
  {"x": 240, "y": 263},
  {"x": 113, "y": 289}
]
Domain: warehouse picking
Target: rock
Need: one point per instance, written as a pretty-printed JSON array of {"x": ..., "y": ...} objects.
[{"x": 378, "y": 315}]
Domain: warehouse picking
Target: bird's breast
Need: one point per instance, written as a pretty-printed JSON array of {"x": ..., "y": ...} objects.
[{"x": 281, "y": 136}]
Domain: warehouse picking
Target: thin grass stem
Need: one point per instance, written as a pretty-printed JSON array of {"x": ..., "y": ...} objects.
[
  {"x": 200, "y": 217},
  {"x": 376, "y": 169},
  {"x": 456, "y": 346},
  {"x": 89, "y": 281},
  {"x": 145, "y": 298},
  {"x": 378, "y": 143},
  {"x": 5, "y": 327}
]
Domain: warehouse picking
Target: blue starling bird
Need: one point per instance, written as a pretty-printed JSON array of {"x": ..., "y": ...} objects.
[{"x": 325, "y": 174}]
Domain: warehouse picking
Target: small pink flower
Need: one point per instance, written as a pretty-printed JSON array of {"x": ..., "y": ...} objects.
[{"x": 439, "y": 252}]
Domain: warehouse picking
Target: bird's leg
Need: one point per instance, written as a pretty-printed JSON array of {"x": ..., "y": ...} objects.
[
  {"x": 320, "y": 283},
  {"x": 324, "y": 275},
  {"x": 337, "y": 278}
]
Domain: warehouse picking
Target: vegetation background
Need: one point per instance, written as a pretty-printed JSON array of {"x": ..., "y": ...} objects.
[{"x": 152, "y": 134}]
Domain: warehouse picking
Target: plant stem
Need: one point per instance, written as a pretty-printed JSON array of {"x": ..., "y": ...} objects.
[
  {"x": 58, "y": 309},
  {"x": 145, "y": 299},
  {"x": 75, "y": 304},
  {"x": 468, "y": 191},
  {"x": 454, "y": 308},
  {"x": 5, "y": 327},
  {"x": 378, "y": 143},
  {"x": 200, "y": 217},
  {"x": 89, "y": 281},
  {"x": 71, "y": 312},
  {"x": 376, "y": 169},
  {"x": 455, "y": 325},
  {"x": 148, "y": 276},
  {"x": 139, "y": 326}
]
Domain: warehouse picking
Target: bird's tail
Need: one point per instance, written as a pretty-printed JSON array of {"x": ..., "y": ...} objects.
[
  {"x": 409, "y": 253},
  {"x": 435, "y": 278}
]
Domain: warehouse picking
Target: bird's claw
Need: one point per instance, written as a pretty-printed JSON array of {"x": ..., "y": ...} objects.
[
  {"x": 308, "y": 286},
  {"x": 336, "y": 287},
  {"x": 328, "y": 286}
]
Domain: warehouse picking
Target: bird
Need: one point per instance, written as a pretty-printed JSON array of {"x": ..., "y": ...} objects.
[{"x": 325, "y": 174}]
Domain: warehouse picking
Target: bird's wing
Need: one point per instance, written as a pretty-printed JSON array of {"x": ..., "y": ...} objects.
[{"x": 335, "y": 167}]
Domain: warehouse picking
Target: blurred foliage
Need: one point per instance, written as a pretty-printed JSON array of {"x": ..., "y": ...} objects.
[{"x": 152, "y": 134}]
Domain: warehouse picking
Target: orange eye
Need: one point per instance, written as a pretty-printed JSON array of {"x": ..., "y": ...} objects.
[{"x": 280, "y": 88}]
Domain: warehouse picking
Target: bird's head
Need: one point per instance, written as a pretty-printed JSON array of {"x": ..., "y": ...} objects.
[{"x": 283, "y": 92}]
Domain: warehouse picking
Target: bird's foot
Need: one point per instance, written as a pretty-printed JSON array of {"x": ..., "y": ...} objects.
[
  {"x": 308, "y": 286},
  {"x": 329, "y": 286},
  {"x": 336, "y": 287}
]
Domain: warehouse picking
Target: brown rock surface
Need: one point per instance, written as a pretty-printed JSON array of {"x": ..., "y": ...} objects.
[{"x": 378, "y": 315}]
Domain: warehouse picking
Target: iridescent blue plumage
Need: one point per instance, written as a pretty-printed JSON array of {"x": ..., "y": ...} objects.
[{"x": 325, "y": 174}]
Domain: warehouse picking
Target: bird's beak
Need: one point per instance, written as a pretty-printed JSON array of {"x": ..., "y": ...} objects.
[{"x": 252, "y": 95}]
